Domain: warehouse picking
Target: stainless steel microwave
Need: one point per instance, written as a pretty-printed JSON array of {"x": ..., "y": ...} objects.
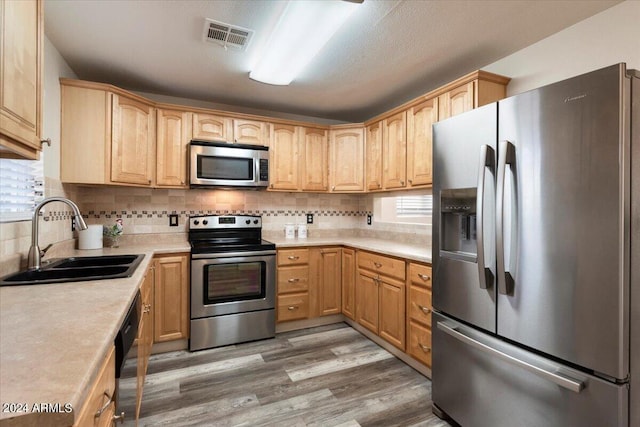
[{"x": 221, "y": 164}]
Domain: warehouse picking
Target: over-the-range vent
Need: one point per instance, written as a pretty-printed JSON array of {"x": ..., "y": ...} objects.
[{"x": 228, "y": 36}]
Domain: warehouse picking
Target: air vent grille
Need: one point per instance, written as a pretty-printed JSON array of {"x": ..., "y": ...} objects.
[{"x": 226, "y": 35}]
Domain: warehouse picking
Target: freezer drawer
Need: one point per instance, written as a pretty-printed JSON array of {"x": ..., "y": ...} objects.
[{"x": 479, "y": 380}]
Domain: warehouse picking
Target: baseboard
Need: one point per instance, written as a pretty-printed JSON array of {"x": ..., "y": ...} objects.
[{"x": 294, "y": 325}]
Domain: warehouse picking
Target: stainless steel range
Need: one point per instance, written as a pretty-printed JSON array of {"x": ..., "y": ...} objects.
[{"x": 233, "y": 281}]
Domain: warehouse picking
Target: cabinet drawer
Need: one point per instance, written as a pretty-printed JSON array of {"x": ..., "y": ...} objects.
[
  {"x": 420, "y": 274},
  {"x": 293, "y": 306},
  {"x": 293, "y": 256},
  {"x": 420, "y": 304},
  {"x": 420, "y": 343},
  {"x": 100, "y": 396},
  {"x": 381, "y": 264},
  {"x": 293, "y": 279}
]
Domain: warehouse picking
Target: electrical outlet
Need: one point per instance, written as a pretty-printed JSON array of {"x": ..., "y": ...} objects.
[
  {"x": 73, "y": 223},
  {"x": 173, "y": 220},
  {"x": 368, "y": 219},
  {"x": 309, "y": 218}
]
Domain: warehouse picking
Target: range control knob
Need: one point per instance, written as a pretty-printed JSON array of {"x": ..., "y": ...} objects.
[
  {"x": 255, "y": 221},
  {"x": 205, "y": 222},
  {"x": 196, "y": 222},
  {"x": 248, "y": 222}
]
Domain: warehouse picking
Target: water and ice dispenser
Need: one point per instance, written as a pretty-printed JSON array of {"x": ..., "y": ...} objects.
[{"x": 458, "y": 222}]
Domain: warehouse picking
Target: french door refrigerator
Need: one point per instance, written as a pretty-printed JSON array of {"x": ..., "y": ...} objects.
[{"x": 536, "y": 259}]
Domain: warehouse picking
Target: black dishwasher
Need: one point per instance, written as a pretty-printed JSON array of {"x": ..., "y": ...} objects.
[{"x": 125, "y": 338}]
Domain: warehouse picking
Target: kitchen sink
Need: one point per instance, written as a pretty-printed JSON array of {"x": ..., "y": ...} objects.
[{"x": 76, "y": 269}]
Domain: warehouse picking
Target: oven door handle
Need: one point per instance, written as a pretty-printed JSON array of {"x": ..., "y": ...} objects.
[{"x": 231, "y": 254}]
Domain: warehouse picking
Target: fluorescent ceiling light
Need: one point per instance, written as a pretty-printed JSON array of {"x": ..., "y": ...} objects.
[{"x": 304, "y": 27}]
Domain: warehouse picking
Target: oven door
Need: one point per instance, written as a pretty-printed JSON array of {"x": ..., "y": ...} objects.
[{"x": 232, "y": 283}]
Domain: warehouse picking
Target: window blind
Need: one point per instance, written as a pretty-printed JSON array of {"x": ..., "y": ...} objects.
[
  {"x": 414, "y": 205},
  {"x": 21, "y": 188}
]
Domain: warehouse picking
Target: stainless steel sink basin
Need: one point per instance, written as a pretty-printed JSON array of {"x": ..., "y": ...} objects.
[{"x": 76, "y": 269}]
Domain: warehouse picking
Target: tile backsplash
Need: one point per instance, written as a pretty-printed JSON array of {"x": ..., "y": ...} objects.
[{"x": 146, "y": 211}]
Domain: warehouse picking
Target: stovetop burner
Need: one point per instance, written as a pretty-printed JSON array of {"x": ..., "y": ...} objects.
[{"x": 227, "y": 233}]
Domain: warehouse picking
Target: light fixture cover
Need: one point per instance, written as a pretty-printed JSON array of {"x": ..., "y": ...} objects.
[{"x": 304, "y": 27}]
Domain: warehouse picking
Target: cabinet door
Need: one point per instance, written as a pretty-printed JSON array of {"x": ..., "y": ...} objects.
[
  {"x": 21, "y": 46},
  {"x": 173, "y": 136},
  {"x": 394, "y": 151},
  {"x": 367, "y": 301},
  {"x": 330, "y": 292},
  {"x": 132, "y": 141},
  {"x": 171, "y": 296},
  {"x": 145, "y": 336},
  {"x": 392, "y": 311},
  {"x": 209, "y": 127},
  {"x": 283, "y": 168},
  {"x": 373, "y": 155},
  {"x": 347, "y": 159},
  {"x": 313, "y": 159},
  {"x": 456, "y": 101},
  {"x": 419, "y": 143},
  {"x": 250, "y": 132},
  {"x": 349, "y": 283}
]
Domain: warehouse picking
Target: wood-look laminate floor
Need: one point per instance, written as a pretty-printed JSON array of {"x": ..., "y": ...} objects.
[{"x": 326, "y": 376}]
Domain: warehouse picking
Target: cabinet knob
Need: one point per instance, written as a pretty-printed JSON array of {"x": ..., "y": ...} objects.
[
  {"x": 401, "y": 182},
  {"x": 333, "y": 188},
  {"x": 119, "y": 418},
  {"x": 424, "y": 277},
  {"x": 270, "y": 185},
  {"x": 292, "y": 307},
  {"x": 377, "y": 264},
  {"x": 410, "y": 181},
  {"x": 425, "y": 310}
]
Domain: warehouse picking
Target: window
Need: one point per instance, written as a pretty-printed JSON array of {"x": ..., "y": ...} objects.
[
  {"x": 413, "y": 208},
  {"x": 21, "y": 188}
]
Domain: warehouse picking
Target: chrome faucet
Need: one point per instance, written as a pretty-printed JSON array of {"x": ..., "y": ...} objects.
[{"x": 35, "y": 254}]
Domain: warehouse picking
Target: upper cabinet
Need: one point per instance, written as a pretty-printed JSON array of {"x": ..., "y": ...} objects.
[
  {"x": 346, "y": 159},
  {"x": 420, "y": 118},
  {"x": 283, "y": 154},
  {"x": 21, "y": 47},
  {"x": 211, "y": 127},
  {"x": 394, "y": 151},
  {"x": 456, "y": 101},
  {"x": 373, "y": 157},
  {"x": 132, "y": 141},
  {"x": 313, "y": 161},
  {"x": 172, "y": 144}
]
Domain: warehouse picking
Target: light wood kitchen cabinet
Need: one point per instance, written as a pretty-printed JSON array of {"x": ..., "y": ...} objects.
[
  {"x": 132, "y": 141},
  {"x": 293, "y": 284},
  {"x": 313, "y": 159},
  {"x": 373, "y": 157},
  {"x": 145, "y": 335},
  {"x": 420, "y": 118},
  {"x": 346, "y": 159},
  {"x": 99, "y": 407},
  {"x": 283, "y": 154},
  {"x": 456, "y": 101},
  {"x": 471, "y": 91},
  {"x": 419, "y": 312},
  {"x": 394, "y": 151},
  {"x": 171, "y": 297},
  {"x": 349, "y": 283},
  {"x": 172, "y": 145},
  {"x": 380, "y": 296},
  {"x": 21, "y": 65},
  {"x": 211, "y": 127},
  {"x": 326, "y": 274},
  {"x": 251, "y": 132}
]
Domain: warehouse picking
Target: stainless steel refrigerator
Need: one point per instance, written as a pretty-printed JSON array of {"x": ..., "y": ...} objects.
[{"x": 536, "y": 261}]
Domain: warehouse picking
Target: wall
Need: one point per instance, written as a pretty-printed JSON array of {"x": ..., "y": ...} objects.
[{"x": 607, "y": 38}]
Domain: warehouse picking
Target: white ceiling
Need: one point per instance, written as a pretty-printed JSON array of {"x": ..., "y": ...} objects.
[{"x": 389, "y": 51}]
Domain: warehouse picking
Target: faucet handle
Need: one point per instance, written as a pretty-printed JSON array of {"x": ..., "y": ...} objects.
[{"x": 44, "y": 251}]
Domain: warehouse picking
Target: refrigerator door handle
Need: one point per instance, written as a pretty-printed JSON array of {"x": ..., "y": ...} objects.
[
  {"x": 506, "y": 156},
  {"x": 570, "y": 384},
  {"x": 487, "y": 155}
]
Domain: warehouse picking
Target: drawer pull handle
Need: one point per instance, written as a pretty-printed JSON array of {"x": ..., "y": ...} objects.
[
  {"x": 117, "y": 418},
  {"x": 425, "y": 348},
  {"x": 293, "y": 280},
  {"x": 106, "y": 405},
  {"x": 425, "y": 310},
  {"x": 424, "y": 277},
  {"x": 292, "y": 307},
  {"x": 293, "y": 257},
  {"x": 377, "y": 264}
]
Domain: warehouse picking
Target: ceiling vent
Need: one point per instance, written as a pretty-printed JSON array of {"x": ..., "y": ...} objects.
[{"x": 227, "y": 36}]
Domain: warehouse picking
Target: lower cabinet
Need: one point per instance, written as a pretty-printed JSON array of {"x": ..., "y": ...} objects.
[
  {"x": 349, "y": 283},
  {"x": 99, "y": 408},
  {"x": 292, "y": 284},
  {"x": 171, "y": 297},
  {"x": 326, "y": 278},
  {"x": 145, "y": 335},
  {"x": 419, "y": 312},
  {"x": 380, "y": 296}
]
